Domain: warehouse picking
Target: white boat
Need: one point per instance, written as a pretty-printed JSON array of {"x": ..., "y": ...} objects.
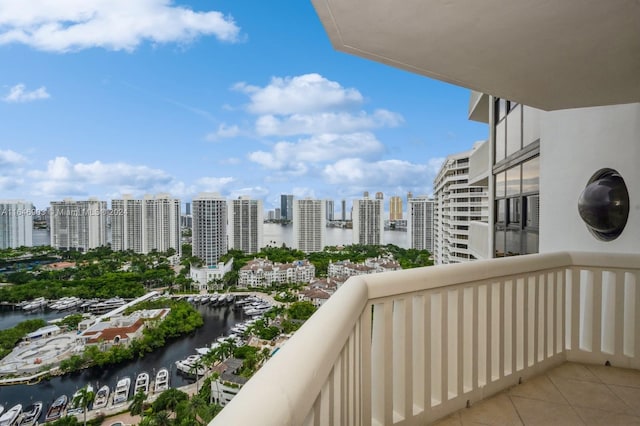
[
  {"x": 206, "y": 349},
  {"x": 142, "y": 383},
  {"x": 121, "y": 394},
  {"x": 36, "y": 303},
  {"x": 101, "y": 397},
  {"x": 107, "y": 305},
  {"x": 31, "y": 414},
  {"x": 74, "y": 404},
  {"x": 188, "y": 364},
  {"x": 230, "y": 298},
  {"x": 9, "y": 417},
  {"x": 162, "y": 381},
  {"x": 56, "y": 409}
]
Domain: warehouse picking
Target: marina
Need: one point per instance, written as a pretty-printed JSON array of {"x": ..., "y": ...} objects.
[{"x": 159, "y": 365}]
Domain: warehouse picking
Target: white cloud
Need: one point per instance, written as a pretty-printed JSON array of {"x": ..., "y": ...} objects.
[
  {"x": 255, "y": 193},
  {"x": 10, "y": 158},
  {"x": 67, "y": 25},
  {"x": 223, "y": 132},
  {"x": 214, "y": 184},
  {"x": 63, "y": 178},
  {"x": 378, "y": 174},
  {"x": 8, "y": 183},
  {"x": 304, "y": 94},
  {"x": 325, "y": 122},
  {"x": 293, "y": 157},
  {"x": 18, "y": 93}
]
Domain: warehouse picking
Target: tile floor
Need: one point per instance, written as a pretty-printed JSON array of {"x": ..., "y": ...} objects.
[{"x": 571, "y": 394}]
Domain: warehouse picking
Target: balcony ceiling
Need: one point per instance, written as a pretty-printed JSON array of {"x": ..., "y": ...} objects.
[{"x": 548, "y": 54}]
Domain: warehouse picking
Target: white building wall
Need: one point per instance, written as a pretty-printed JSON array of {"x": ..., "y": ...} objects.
[
  {"x": 209, "y": 227},
  {"x": 78, "y": 225},
  {"x": 574, "y": 145},
  {"x": 368, "y": 221},
  {"x": 309, "y": 225},
  {"x": 246, "y": 219},
  {"x": 16, "y": 224}
]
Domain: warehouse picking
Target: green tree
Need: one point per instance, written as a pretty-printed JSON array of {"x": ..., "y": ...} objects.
[
  {"x": 83, "y": 399},
  {"x": 137, "y": 404}
]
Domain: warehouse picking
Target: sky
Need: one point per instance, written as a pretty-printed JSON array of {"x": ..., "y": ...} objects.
[{"x": 104, "y": 98}]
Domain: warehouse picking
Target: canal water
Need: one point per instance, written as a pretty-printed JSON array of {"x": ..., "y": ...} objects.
[{"x": 218, "y": 320}]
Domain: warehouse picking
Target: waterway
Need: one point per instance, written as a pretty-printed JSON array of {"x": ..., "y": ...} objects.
[
  {"x": 275, "y": 234},
  {"x": 218, "y": 320}
]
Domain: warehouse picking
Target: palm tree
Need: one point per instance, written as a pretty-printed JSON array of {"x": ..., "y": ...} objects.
[
  {"x": 137, "y": 404},
  {"x": 161, "y": 418},
  {"x": 83, "y": 399},
  {"x": 195, "y": 368}
]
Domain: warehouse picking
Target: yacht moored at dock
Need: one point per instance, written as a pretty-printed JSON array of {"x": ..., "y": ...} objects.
[
  {"x": 31, "y": 414},
  {"x": 74, "y": 404},
  {"x": 102, "y": 397},
  {"x": 56, "y": 409},
  {"x": 189, "y": 364},
  {"x": 162, "y": 381},
  {"x": 11, "y": 415},
  {"x": 121, "y": 394},
  {"x": 142, "y": 383}
]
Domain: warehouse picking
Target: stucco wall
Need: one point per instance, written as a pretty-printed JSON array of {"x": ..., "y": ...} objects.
[{"x": 574, "y": 145}]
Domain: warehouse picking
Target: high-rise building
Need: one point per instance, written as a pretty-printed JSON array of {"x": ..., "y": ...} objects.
[
  {"x": 420, "y": 211},
  {"x": 457, "y": 205},
  {"x": 344, "y": 210},
  {"x": 286, "y": 207},
  {"x": 278, "y": 215},
  {"x": 395, "y": 208},
  {"x": 368, "y": 221},
  {"x": 16, "y": 223},
  {"x": 246, "y": 219},
  {"x": 209, "y": 227},
  {"x": 152, "y": 223},
  {"x": 309, "y": 225},
  {"x": 379, "y": 196},
  {"x": 329, "y": 209},
  {"x": 188, "y": 209},
  {"x": 78, "y": 225}
]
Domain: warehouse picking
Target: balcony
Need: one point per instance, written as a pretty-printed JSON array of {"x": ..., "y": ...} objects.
[{"x": 414, "y": 346}]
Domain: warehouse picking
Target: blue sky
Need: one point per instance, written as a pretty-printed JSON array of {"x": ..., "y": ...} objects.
[{"x": 100, "y": 98}]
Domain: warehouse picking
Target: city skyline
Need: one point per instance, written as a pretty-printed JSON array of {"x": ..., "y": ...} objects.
[{"x": 227, "y": 101}]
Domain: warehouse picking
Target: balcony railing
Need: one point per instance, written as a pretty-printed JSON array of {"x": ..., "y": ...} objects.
[{"x": 412, "y": 346}]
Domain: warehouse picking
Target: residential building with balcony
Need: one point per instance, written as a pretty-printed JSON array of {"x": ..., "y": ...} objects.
[
  {"x": 264, "y": 273},
  {"x": 413, "y": 347},
  {"x": 147, "y": 224},
  {"x": 368, "y": 220},
  {"x": 246, "y": 221},
  {"x": 209, "y": 227},
  {"x": 78, "y": 225},
  {"x": 16, "y": 223},
  {"x": 421, "y": 222},
  {"x": 309, "y": 225},
  {"x": 457, "y": 204},
  {"x": 343, "y": 269}
]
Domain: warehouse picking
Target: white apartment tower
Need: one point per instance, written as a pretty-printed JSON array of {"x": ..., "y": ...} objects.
[
  {"x": 457, "y": 204},
  {"x": 246, "y": 218},
  {"x": 420, "y": 230},
  {"x": 78, "y": 225},
  {"x": 309, "y": 225},
  {"x": 368, "y": 221},
  {"x": 209, "y": 227},
  {"x": 152, "y": 223},
  {"x": 16, "y": 224}
]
